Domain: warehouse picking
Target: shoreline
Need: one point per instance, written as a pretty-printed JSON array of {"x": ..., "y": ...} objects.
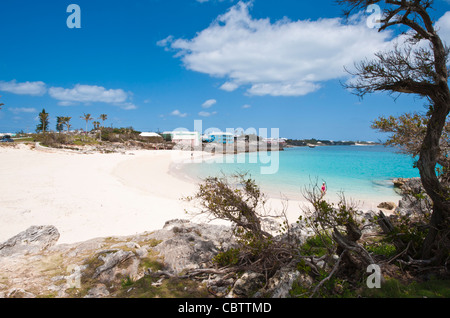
[
  {"x": 87, "y": 196},
  {"x": 365, "y": 202}
]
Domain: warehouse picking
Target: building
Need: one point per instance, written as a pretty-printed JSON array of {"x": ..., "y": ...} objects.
[
  {"x": 275, "y": 141},
  {"x": 185, "y": 138},
  {"x": 149, "y": 134},
  {"x": 220, "y": 138}
]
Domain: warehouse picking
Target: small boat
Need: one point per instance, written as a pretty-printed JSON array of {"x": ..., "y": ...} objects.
[{"x": 311, "y": 146}]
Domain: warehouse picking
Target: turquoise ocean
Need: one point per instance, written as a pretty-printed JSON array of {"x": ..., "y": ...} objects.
[{"x": 361, "y": 173}]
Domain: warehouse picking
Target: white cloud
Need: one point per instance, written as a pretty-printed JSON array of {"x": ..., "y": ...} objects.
[
  {"x": 209, "y": 103},
  {"x": 26, "y": 88},
  {"x": 87, "y": 94},
  {"x": 206, "y": 114},
  {"x": 17, "y": 110},
  {"x": 178, "y": 113},
  {"x": 283, "y": 58},
  {"x": 443, "y": 27},
  {"x": 246, "y": 106},
  {"x": 229, "y": 86},
  {"x": 128, "y": 106}
]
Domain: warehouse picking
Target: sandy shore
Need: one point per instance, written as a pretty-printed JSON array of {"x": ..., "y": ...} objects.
[
  {"x": 88, "y": 195},
  {"x": 97, "y": 195}
]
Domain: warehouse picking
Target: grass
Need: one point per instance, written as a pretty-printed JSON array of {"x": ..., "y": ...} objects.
[
  {"x": 392, "y": 288},
  {"x": 316, "y": 245},
  {"x": 169, "y": 288}
]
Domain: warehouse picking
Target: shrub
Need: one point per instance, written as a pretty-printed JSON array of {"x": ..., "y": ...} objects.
[{"x": 230, "y": 257}]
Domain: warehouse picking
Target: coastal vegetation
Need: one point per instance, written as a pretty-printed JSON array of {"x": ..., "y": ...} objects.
[
  {"x": 106, "y": 139},
  {"x": 330, "y": 247},
  {"x": 103, "y": 139}
]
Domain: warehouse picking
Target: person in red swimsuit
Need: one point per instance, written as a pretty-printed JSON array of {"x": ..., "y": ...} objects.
[{"x": 324, "y": 189}]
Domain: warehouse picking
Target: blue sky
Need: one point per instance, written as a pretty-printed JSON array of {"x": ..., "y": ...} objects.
[{"x": 161, "y": 64}]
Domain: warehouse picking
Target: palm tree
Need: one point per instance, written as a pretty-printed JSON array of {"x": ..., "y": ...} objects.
[
  {"x": 96, "y": 124},
  {"x": 103, "y": 117},
  {"x": 87, "y": 118},
  {"x": 43, "y": 119},
  {"x": 1, "y": 104},
  {"x": 66, "y": 122},
  {"x": 59, "y": 123}
]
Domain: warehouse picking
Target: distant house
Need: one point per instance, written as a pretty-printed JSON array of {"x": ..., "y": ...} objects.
[
  {"x": 151, "y": 137},
  {"x": 185, "y": 138},
  {"x": 149, "y": 134},
  {"x": 220, "y": 138},
  {"x": 278, "y": 141}
]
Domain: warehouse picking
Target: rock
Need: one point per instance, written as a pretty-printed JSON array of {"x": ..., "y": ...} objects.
[
  {"x": 399, "y": 182},
  {"x": 414, "y": 198},
  {"x": 99, "y": 291},
  {"x": 116, "y": 264},
  {"x": 187, "y": 246},
  {"x": 387, "y": 205},
  {"x": 32, "y": 240},
  {"x": 247, "y": 285},
  {"x": 280, "y": 285},
  {"x": 19, "y": 293}
]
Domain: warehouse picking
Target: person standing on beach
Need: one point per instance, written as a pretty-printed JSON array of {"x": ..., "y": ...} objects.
[{"x": 324, "y": 189}]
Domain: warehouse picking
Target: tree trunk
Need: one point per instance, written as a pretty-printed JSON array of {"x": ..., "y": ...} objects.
[{"x": 427, "y": 168}]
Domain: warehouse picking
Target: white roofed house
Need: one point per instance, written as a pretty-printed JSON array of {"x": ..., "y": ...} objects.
[{"x": 149, "y": 134}]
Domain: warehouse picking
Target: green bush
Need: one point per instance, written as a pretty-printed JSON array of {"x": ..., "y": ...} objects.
[
  {"x": 230, "y": 257},
  {"x": 54, "y": 140},
  {"x": 316, "y": 245},
  {"x": 381, "y": 248}
]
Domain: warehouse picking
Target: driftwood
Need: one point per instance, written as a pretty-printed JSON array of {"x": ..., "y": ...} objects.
[
  {"x": 385, "y": 224},
  {"x": 345, "y": 244},
  {"x": 333, "y": 271}
]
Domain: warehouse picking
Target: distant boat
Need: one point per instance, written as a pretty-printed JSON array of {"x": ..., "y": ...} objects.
[{"x": 311, "y": 146}]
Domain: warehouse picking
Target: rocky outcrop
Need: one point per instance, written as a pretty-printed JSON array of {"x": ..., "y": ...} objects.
[
  {"x": 186, "y": 246},
  {"x": 414, "y": 198},
  {"x": 32, "y": 240},
  {"x": 32, "y": 265}
]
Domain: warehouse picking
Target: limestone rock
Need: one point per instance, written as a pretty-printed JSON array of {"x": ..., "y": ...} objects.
[
  {"x": 281, "y": 283},
  {"x": 32, "y": 240},
  {"x": 387, "y": 205},
  {"x": 116, "y": 264},
  {"x": 186, "y": 245},
  {"x": 248, "y": 284},
  {"x": 98, "y": 291},
  {"x": 19, "y": 293}
]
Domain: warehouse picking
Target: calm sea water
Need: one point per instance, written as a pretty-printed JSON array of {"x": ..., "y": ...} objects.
[{"x": 359, "y": 172}]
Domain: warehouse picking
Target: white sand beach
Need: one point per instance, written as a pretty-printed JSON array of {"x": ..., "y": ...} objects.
[
  {"x": 88, "y": 195},
  {"x": 96, "y": 195}
]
